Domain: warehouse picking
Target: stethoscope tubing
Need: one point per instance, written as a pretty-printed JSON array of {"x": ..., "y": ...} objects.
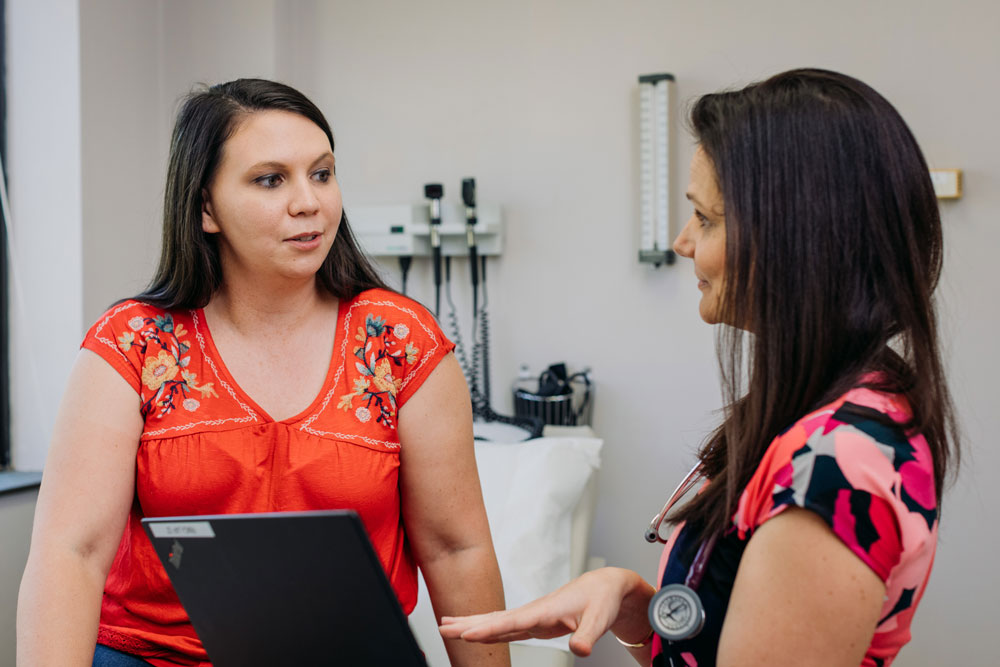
[
  {"x": 652, "y": 534},
  {"x": 672, "y": 598}
]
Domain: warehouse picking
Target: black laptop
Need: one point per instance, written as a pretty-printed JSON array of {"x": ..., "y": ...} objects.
[{"x": 287, "y": 588}]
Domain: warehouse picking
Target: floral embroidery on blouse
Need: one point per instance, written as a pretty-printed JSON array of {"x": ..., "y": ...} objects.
[
  {"x": 160, "y": 372},
  {"x": 380, "y": 354}
]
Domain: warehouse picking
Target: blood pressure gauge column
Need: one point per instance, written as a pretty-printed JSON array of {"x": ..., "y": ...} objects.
[{"x": 655, "y": 97}]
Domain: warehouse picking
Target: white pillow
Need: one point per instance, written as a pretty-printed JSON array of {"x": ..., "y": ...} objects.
[{"x": 531, "y": 490}]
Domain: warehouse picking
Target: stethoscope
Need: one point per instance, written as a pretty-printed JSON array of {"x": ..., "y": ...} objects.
[{"x": 676, "y": 612}]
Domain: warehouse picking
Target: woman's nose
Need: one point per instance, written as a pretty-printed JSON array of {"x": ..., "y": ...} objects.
[
  {"x": 304, "y": 200},
  {"x": 684, "y": 243}
]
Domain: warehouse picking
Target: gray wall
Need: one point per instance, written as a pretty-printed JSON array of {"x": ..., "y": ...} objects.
[
  {"x": 17, "y": 509},
  {"x": 124, "y": 147},
  {"x": 537, "y": 100}
]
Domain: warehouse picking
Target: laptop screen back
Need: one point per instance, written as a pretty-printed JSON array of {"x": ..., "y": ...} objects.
[{"x": 284, "y": 589}]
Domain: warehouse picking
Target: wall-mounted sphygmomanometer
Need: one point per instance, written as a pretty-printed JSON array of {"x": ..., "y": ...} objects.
[{"x": 656, "y": 93}]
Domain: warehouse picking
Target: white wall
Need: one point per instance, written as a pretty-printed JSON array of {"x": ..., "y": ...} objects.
[
  {"x": 537, "y": 101},
  {"x": 44, "y": 126},
  {"x": 137, "y": 60},
  {"x": 210, "y": 42}
]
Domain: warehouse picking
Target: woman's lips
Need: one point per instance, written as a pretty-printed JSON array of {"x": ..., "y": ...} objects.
[{"x": 306, "y": 241}]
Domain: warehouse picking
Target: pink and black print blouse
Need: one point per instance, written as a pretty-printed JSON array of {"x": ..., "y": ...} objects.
[{"x": 870, "y": 482}]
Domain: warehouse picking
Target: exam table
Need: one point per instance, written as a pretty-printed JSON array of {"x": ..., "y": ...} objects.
[{"x": 540, "y": 497}]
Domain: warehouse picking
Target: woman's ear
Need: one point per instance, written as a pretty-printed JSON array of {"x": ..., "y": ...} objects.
[{"x": 208, "y": 223}]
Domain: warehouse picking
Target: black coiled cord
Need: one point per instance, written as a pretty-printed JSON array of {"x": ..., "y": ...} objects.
[
  {"x": 481, "y": 358},
  {"x": 479, "y": 364},
  {"x": 471, "y": 371}
]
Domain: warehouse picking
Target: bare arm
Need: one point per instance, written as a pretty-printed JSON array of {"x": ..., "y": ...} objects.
[
  {"x": 801, "y": 597},
  {"x": 83, "y": 504},
  {"x": 443, "y": 507}
]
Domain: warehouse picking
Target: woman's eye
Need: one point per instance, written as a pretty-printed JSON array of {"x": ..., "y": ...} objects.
[
  {"x": 323, "y": 175},
  {"x": 701, "y": 217},
  {"x": 269, "y": 180}
]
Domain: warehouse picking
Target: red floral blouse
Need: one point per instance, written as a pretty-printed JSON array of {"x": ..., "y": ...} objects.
[{"x": 207, "y": 448}]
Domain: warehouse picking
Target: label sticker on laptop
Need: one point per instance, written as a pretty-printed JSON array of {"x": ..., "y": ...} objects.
[{"x": 182, "y": 529}]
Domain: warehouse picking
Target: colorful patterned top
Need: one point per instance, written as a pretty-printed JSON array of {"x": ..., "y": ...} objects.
[
  {"x": 207, "y": 448},
  {"x": 872, "y": 485}
]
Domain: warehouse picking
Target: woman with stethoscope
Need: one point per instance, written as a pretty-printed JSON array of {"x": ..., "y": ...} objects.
[{"x": 810, "y": 528}]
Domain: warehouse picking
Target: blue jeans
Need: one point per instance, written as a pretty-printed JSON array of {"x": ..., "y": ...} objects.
[{"x": 108, "y": 657}]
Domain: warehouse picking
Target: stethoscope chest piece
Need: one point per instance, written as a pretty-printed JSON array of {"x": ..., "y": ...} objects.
[{"x": 676, "y": 612}]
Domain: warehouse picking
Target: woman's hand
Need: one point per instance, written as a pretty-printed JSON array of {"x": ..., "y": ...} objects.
[{"x": 590, "y": 605}]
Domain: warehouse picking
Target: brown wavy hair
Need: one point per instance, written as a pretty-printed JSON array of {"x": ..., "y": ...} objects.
[
  {"x": 833, "y": 252},
  {"x": 189, "y": 270}
]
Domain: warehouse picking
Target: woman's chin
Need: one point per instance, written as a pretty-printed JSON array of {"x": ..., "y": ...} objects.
[{"x": 708, "y": 312}]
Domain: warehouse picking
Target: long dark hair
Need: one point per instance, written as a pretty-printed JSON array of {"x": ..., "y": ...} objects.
[
  {"x": 833, "y": 250},
  {"x": 189, "y": 271}
]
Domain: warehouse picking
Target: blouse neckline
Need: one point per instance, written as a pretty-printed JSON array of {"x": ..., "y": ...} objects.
[{"x": 223, "y": 368}]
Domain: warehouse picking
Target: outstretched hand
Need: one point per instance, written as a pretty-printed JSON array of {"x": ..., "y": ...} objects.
[{"x": 588, "y": 607}]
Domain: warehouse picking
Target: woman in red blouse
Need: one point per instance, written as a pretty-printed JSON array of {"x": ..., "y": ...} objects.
[
  {"x": 815, "y": 230},
  {"x": 266, "y": 368}
]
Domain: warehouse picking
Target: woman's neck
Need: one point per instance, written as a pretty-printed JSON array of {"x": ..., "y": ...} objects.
[{"x": 249, "y": 308}]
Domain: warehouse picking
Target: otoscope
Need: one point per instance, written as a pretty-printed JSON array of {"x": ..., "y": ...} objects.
[
  {"x": 434, "y": 192},
  {"x": 469, "y": 197}
]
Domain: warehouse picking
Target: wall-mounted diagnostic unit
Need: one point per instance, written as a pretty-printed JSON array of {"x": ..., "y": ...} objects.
[
  {"x": 440, "y": 229},
  {"x": 656, "y": 93},
  {"x": 405, "y": 230}
]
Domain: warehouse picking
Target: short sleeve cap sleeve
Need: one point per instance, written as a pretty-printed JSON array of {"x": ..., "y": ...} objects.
[
  {"x": 158, "y": 354},
  {"x": 391, "y": 344},
  {"x": 118, "y": 337},
  {"x": 871, "y": 484}
]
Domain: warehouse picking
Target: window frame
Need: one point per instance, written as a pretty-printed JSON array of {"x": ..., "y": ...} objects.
[{"x": 5, "y": 443}]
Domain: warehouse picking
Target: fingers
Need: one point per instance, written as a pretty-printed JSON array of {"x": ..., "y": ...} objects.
[
  {"x": 501, "y": 626},
  {"x": 585, "y": 606},
  {"x": 592, "y": 627},
  {"x": 452, "y": 627},
  {"x": 517, "y": 625},
  {"x": 502, "y": 639},
  {"x": 532, "y": 621}
]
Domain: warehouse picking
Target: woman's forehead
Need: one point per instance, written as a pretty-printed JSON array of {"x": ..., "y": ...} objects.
[
  {"x": 275, "y": 136},
  {"x": 703, "y": 188}
]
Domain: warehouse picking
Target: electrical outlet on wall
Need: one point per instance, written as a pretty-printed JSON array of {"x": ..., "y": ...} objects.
[{"x": 947, "y": 183}]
